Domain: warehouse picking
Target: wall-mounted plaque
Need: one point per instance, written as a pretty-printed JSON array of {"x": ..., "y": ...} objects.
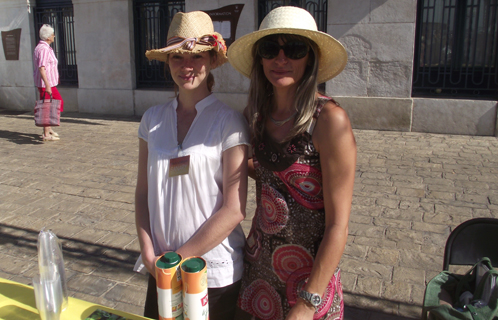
[
  {"x": 11, "y": 41},
  {"x": 225, "y": 21}
]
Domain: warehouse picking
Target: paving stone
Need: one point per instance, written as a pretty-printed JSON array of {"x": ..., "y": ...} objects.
[
  {"x": 410, "y": 275},
  {"x": 408, "y": 245},
  {"x": 114, "y": 273},
  {"x": 90, "y": 235},
  {"x": 448, "y": 218},
  {"x": 348, "y": 281},
  {"x": 374, "y": 242},
  {"x": 401, "y": 224},
  {"x": 396, "y": 291},
  {"x": 365, "y": 268},
  {"x": 357, "y": 217},
  {"x": 355, "y": 250},
  {"x": 139, "y": 280},
  {"x": 118, "y": 240},
  {"x": 372, "y": 211},
  {"x": 89, "y": 284},
  {"x": 473, "y": 198},
  {"x": 383, "y": 256},
  {"x": 366, "y": 230},
  {"x": 130, "y": 308},
  {"x": 12, "y": 265},
  {"x": 412, "y": 259},
  {"x": 133, "y": 246},
  {"x": 113, "y": 225},
  {"x": 379, "y": 189},
  {"x": 382, "y": 183},
  {"x": 411, "y": 189},
  {"x": 410, "y": 192},
  {"x": 389, "y": 203},
  {"x": 417, "y": 294},
  {"x": 127, "y": 294},
  {"x": 431, "y": 227},
  {"x": 369, "y": 286},
  {"x": 404, "y": 214},
  {"x": 410, "y": 205}
]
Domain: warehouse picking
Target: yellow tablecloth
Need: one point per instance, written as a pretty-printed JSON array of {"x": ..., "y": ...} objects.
[{"x": 17, "y": 302}]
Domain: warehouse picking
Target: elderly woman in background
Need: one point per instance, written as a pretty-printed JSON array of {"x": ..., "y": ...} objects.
[{"x": 45, "y": 73}]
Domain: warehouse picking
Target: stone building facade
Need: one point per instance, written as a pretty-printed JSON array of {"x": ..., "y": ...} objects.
[{"x": 376, "y": 88}]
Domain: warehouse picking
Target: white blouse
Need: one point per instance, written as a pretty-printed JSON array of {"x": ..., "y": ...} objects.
[{"x": 179, "y": 205}]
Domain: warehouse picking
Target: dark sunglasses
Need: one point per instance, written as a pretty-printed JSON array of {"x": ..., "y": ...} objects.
[{"x": 292, "y": 49}]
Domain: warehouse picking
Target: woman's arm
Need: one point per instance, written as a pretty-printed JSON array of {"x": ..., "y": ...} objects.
[
  {"x": 43, "y": 75},
  {"x": 334, "y": 140},
  {"x": 220, "y": 225},
  {"x": 142, "y": 210}
]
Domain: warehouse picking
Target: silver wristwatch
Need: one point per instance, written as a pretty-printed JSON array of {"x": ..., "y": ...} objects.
[{"x": 312, "y": 298}]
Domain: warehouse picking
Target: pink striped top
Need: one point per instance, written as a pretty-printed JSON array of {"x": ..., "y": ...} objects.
[{"x": 44, "y": 56}]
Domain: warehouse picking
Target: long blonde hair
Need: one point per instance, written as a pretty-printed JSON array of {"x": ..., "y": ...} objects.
[{"x": 260, "y": 91}]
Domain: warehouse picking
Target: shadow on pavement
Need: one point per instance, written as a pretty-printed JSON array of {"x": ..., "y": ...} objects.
[
  {"x": 12, "y": 112},
  {"x": 73, "y": 250},
  {"x": 355, "y": 313},
  {"x": 75, "y": 116},
  {"x": 21, "y": 137}
]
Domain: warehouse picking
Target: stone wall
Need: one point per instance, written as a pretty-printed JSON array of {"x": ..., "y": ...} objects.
[
  {"x": 104, "y": 41},
  {"x": 375, "y": 87},
  {"x": 17, "y": 90}
]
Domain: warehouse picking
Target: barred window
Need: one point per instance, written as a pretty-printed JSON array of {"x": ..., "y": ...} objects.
[
  {"x": 317, "y": 8},
  {"x": 60, "y": 15},
  {"x": 456, "y": 49},
  {"x": 151, "y": 23}
]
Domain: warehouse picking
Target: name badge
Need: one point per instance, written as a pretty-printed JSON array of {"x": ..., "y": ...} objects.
[{"x": 179, "y": 166}]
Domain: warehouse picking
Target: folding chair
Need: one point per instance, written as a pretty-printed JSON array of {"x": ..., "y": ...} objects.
[{"x": 471, "y": 241}]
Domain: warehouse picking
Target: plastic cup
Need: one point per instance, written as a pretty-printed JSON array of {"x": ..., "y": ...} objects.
[{"x": 48, "y": 296}]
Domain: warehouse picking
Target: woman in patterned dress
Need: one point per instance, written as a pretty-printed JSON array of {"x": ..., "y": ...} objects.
[{"x": 304, "y": 159}]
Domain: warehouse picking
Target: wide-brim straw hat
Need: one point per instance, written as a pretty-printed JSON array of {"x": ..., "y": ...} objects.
[
  {"x": 191, "y": 32},
  {"x": 297, "y": 21}
]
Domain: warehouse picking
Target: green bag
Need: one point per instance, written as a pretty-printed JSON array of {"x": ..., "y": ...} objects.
[{"x": 473, "y": 296}]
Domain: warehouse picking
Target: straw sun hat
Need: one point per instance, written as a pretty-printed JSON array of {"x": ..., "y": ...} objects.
[
  {"x": 191, "y": 32},
  {"x": 297, "y": 21}
]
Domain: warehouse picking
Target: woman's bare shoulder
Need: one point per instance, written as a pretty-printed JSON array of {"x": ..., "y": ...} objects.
[{"x": 334, "y": 116}]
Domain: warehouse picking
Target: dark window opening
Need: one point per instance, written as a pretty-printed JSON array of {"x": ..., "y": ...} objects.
[
  {"x": 456, "y": 49},
  {"x": 60, "y": 15},
  {"x": 151, "y": 22}
]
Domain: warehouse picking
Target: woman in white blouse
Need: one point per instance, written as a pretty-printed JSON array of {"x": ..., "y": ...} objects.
[{"x": 192, "y": 168}]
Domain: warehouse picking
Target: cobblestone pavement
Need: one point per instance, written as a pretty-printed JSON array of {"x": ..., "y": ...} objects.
[{"x": 411, "y": 190}]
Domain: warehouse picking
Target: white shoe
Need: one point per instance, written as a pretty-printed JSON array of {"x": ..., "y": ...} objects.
[{"x": 50, "y": 138}]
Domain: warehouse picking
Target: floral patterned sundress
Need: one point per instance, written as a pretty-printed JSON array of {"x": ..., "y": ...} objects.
[{"x": 286, "y": 231}]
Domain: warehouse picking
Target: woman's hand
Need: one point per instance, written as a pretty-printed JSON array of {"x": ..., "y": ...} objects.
[
  {"x": 150, "y": 263},
  {"x": 49, "y": 90},
  {"x": 301, "y": 311}
]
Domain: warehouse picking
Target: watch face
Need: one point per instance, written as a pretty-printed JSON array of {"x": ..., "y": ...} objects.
[{"x": 316, "y": 300}]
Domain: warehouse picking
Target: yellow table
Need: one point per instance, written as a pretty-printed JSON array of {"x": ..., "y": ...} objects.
[{"x": 17, "y": 302}]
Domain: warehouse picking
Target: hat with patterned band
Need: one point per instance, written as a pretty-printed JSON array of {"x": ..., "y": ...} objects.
[
  {"x": 191, "y": 32},
  {"x": 297, "y": 21}
]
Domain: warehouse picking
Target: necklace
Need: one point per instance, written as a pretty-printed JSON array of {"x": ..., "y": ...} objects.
[{"x": 280, "y": 123}]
